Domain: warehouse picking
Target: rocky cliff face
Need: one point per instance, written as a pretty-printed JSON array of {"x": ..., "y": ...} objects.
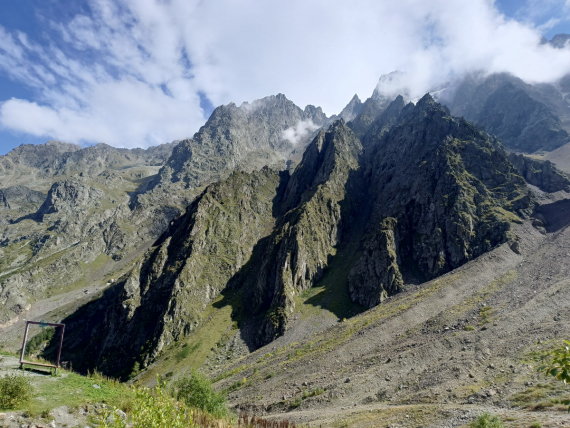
[
  {"x": 70, "y": 196},
  {"x": 18, "y": 196},
  {"x": 443, "y": 194},
  {"x": 542, "y": 174},
  {"x": 352, "y": 109},
  {"x": 240, "y": 138}
]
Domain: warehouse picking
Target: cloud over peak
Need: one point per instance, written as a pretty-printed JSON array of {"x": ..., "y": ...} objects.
[{"x": 130, "y": 73}]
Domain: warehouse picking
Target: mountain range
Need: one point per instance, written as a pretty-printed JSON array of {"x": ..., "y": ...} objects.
[{"x": 276, "y": 234}]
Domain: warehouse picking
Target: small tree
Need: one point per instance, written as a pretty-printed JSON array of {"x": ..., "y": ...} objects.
[
  {"x": 559, "y": 366},
  {"x": 196, "y": 391}
]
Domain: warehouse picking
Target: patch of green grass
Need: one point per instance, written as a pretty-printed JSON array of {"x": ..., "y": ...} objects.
[
  {"x": 485, "y": 314},
  {"x": 541, "y": 396},
  {"x": 469, "y": 328},
  {"x": 150, "y": 408},
  {"x": 296, "y": 402},
  {"x": 186, "y": 351},
  {"x": 229, "y": 373},
  {"x": 74, "y": 390},
  {"x": 313, "y": 393},
  {"x": 486, "y": 421}
]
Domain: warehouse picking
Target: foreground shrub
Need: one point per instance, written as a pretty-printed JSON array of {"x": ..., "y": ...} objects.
[
  {"x": 196, "y": 391},
  {"x": 487, "y": 421},
  {"x": 14, "y": 390},
  {"x": 151, "y": 408}
]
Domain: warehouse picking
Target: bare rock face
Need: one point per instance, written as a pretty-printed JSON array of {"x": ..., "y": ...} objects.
[
  {"x": 68, "y": 196},
  {"x": 239, "y": 138},
  {"x": 376, "y": 275},
  {"x": 15, "y": 196},
  {"x": 542, "y": 174},
  {"x": 526, "y": 118},
  {"x": 352, "y": 109}
]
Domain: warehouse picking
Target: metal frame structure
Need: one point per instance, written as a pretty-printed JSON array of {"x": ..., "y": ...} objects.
[{"x": 47, "y": 324}]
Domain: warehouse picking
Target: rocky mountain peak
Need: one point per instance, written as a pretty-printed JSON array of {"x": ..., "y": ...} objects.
[
  {"x": 389, "y": 86},
  {"x": 560, "y": 41},
  {"x": 352, "y": 109},
  {"x": 444, "y": 193}
]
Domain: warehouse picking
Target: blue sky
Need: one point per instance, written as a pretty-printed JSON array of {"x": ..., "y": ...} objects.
[{"x": 135, "y": 73}]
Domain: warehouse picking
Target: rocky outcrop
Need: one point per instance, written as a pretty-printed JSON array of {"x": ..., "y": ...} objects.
[
  {"x": 449, "y": 193},
  {"x": 238, "y": 138},
  {"x": 16, "y": 196},
  {"x": 542, "y": 174},
  {"x": 69, "y": 196},
  {"x": 376, "y": 275},
  {"x": 370, "y": 111},
  {"x": 387, "y": 119},
  {"x": 522, "y": 123},
  {"x": 352, "y": 109}
]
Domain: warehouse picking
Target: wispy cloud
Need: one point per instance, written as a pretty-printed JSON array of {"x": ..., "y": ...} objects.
[
  {"x": 298, "y": 133},
  {"x": 130, "y": 72}
]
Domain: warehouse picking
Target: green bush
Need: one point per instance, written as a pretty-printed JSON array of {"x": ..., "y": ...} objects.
[
  {"x": 536, "y": 425},
  {"x": 296, "y": 402},
  {"x": 197, "y": 392},
  {"x": 469, "y": 328},
  {"x": 487, "y": 421},
  {"x": 151, "y": 408},
  {"x": 14, "y": 390}
]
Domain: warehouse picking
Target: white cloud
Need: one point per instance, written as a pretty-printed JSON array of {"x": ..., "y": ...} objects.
[
  {"x": 299, "y": 133},
  {"x": 130, "y": 73}
]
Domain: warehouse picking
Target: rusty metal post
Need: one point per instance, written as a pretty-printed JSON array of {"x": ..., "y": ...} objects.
[
  {"x": 24, "y": 345},
  {"x": 60, "y": 345}
]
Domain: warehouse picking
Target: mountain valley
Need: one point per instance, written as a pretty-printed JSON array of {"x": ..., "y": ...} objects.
[{"x": 402, "y": 263}]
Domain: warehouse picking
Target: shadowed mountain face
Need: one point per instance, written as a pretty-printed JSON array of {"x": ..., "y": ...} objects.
[
  {"x": 527, "y": 118},
  {"x": 443, "y": 194},
  {"x": 427, "y": 194}
]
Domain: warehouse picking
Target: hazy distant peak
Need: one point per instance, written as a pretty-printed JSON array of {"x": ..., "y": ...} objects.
[
  {"x": 389, "y": 86},
  {"x": 559, "y": 41},
  {"x": 352, "y": 109}
]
